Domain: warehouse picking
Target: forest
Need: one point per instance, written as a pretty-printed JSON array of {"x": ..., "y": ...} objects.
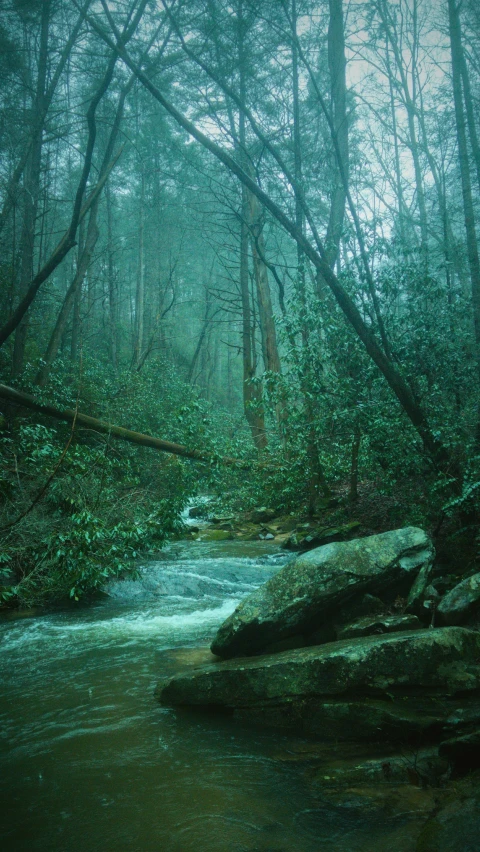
[
  {"x": 240, "y": 425},
  {"x": 239, "y": 257}
]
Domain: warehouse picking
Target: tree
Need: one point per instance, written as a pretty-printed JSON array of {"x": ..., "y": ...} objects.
[{"x": 315, "y": 253}]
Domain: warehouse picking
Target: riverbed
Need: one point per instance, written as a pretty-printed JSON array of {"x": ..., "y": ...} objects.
[{"x": 90, "y": 761}]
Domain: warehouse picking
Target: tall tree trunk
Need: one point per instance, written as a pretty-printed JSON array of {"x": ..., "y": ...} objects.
[
  {"x": 77, "y": 305},
  {"x": 337, "y": 67},
  {"x": 468, "y": 208},
  {"x": 317, "y": 481},
  {"x": 112, "y": 285},
  {"x": 271, "y": 358},
  {"x": 76, "y": 286},
  {"x": 297, "y": 148},
  {"x": 398, "y": 173},
  {"x": 32, "y": 189},
  {"x": 140, "y": 290},
  {"x": 207, "y": 319},
  {"x": 409, "y": 101},
  {"x": 39, "y": 118},
  {"x": 79, "y": 209},
  {"x": 469, "y": 104},
  {"x": 252, "y": 392},
  {"x": 85, "y": 256}
]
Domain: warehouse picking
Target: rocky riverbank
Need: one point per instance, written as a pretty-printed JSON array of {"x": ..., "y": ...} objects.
[
  {"x": 355, "y": 642},
  {"x": 263, "y": 524}
]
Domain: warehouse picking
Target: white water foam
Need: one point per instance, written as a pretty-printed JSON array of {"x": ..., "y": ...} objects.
[{"x": 134, "y": 626}]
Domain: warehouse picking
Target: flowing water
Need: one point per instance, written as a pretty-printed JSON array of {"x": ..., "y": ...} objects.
[{"x": 90, "y": 761}]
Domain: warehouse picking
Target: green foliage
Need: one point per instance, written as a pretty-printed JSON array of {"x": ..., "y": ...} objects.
[
  {"x": 467, "y": 502},
  {"x": 109, "y": 502},
  {"x": 330, "y": 391},
  {"x": 79, "y": 560}
]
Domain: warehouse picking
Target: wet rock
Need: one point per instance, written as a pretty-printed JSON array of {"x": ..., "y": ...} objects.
[
  {"x": 455, "y": 828},
  {"x": 215, "y": 535},
  {"x": 379, "y": 686},
  {"x": 461, "y": 603},
  {"x": 387, "y": 624},
  {"x": 262, "y": 515},
  {"x": 463, "y": 753},
  {"x": 308, "y": 536},
  {"x": 287, "y": 524},
  {"x": 310, "y": 589},
  {"x": 200, "y": 511},
  {"x": 418, "y": 591},
  {"x": 404, "y": 718},
  {"x": 358, "y": 608},
  {"x": 358, "y": 765},
  {"x": 171, "y": 661}
]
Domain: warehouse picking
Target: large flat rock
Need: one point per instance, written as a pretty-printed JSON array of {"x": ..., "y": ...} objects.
[
  {"x": 390, "y": 684},
  {"x": 313, "y": 586}
]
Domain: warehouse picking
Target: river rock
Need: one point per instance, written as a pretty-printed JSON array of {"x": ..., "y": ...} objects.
[
  {"x": 462, "y": 602},
  {"x": 308, "y": 536},
  {"x": 455, "y": 827},
  {"x": 216, "y": 535},
  {"x": 261, "y": 515},
  {"x": 379, "y": 686},
  {"x": 200, "y": 511},
  {"x": 308, "y": 590},
  {"x": 463, "y": 753},
  {"x": 370, "y": 625}
]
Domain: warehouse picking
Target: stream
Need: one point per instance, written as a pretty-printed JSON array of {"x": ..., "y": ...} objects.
[{"x": 90, "y": 761}]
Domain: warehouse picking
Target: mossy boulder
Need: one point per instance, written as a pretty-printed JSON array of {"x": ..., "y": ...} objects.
[
  {"x": 215, "y": 535},
  {"x": 379, "y": 686},
  {"x": 310, "y": 590},
  {"x": 261, "y": 515}
]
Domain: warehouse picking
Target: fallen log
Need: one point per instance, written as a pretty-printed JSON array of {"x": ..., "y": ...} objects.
[{"x": 71, "y": 415}]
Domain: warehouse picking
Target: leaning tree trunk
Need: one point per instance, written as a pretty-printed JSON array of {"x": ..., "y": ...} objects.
[{"x": 70, "y": 415}]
